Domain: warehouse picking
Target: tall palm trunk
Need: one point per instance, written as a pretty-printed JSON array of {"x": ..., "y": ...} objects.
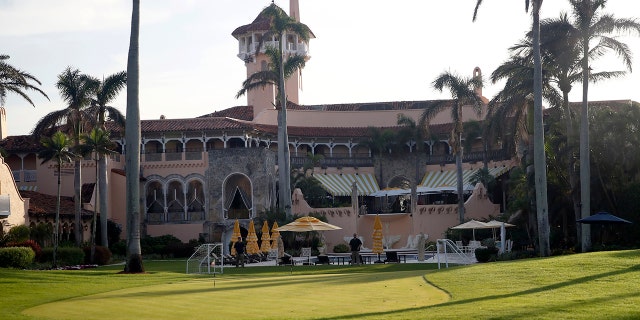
[
  {"x": 573, "y": 179},
  {"x": 77, "y": 188},
  {"x": 284, "y": 161},
  {"x": 94, "y": 217},
  {"x": 132, "y": 157},
  {"x": 539, "y": 159},
  {"x": 585, "y": 166},
  {"x": 56, "y": 227},
  {"x": 460, "y": 188},
  {"x": 102, "y": 195}
]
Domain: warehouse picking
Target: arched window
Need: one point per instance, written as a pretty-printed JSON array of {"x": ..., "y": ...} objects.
[{"x": 195, "y": 196}]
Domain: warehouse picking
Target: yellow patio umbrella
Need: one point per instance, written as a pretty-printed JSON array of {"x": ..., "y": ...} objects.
[
  {"x": 234, "y": 236},
  {"x": 377, "y": 237},
  {"x": 275, "y": 234},
  {"x": 265, "y": 246},
  {"x": 252, "y": 240},
  {"x": 308, "y": 224}
]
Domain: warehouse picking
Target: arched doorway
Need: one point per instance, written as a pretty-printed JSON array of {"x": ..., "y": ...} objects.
[{"x": 238, "y": 197}]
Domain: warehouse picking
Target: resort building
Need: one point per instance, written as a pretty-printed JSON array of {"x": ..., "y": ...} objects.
[{"x": 198, "y": 175}]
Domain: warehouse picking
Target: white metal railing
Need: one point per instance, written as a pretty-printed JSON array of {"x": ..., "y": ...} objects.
[
  {"x": 295, "y": 48},
  {"x": 208, "y": 258},
  {"x": 30, "y": 175},
  {"x": 16, "y": 175},
  {"x": 445, "y": 247}
]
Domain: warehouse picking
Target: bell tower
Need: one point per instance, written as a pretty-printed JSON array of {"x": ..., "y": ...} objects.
[{"x": 249, "y": 36}]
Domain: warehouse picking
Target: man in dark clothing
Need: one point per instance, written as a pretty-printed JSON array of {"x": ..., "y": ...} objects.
[
  {"x": 355, "y": 245},
  {"x": 239, "y": 246}
]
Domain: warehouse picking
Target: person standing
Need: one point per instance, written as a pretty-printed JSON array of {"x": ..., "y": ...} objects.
[
  {"x": 355, "y": 245},
  {"x": 239, "y": 246}
]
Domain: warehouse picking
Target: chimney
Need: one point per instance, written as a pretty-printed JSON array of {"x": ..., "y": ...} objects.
[{"x": 294, "y": 9}]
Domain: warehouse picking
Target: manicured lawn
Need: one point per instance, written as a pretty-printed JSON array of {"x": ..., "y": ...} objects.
[{"x": 586, "y": 286}]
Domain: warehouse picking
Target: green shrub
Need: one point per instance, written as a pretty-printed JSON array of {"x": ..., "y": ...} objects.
[
  {"x": 341, "y": 248},
  {"x": 486, "y": 254},
  {"x": 67, "y": 256},
  {"x": 16, "y": 257},
  {"x": 19, "y": 233},
  {"x": 158, "y": 245},
  {"x": 181, "y": 250},
  {"x": 29, "y": 244},
  {"x": 101, "y": 256},
  {"x": 119, "y": 248}
]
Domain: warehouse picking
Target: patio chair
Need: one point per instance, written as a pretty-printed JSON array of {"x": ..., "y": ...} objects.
[{"x": 306, "y": 253}]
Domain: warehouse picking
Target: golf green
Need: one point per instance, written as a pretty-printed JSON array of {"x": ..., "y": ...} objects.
[{"x": 254, "y": 297}]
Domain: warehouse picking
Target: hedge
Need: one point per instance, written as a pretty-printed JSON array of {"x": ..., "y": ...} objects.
[
  {"x": 16, "y": 257},
  {"x": 67, "y": 256}
]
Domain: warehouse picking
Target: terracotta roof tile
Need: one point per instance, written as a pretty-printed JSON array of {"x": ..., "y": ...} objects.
[
  {"x": 260, "y": 23},
  {"x": 44, "y": 204},
  {"x": 355, "y": 132},
  {"x": 239, "y": 112},
  {"x": 25, "y": 143}
]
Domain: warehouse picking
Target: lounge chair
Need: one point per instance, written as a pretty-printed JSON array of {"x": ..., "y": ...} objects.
[
  {"x": 322, "y": 259},
  {"x": 286, "y": 260},
  {"x": 392, "y": 256}
]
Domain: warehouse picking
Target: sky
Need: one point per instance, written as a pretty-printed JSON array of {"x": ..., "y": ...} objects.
[{"x": 364, "y": 50}]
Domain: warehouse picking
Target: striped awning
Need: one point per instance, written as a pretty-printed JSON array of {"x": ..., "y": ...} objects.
[
  {"x": 447, "y": 179},
  {"x": 340, "y": 184}
]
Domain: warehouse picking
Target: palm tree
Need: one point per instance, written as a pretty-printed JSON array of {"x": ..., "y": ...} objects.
[
  {"x": 132, "y": 154},
  {"x": 560, "y": 51},
  {"x": 279, "y": 26},
  {"x": 463, "y": 92},
  {"x": 539, "y": 161},
  {"x": 108, "y": 90},
  {"x": 416, "y": 132},
  {"x": 97, "y": 141},
  {"x": 16, "y": 81},
  {"x": 56, "y": 148},
  {"x": 76, "y": 89},
  {"x": 594, "y": 26},
  {"x": 379, "y": 141}
]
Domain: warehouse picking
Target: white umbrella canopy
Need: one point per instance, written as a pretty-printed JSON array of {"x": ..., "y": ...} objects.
[
  {"x": 498, "y": 224},
  {"x": 495, "y": 224},
  {"x": 472, "y": 224}
]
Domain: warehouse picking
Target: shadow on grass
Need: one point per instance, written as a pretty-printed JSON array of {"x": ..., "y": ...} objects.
[{"x": 531, "y": 310}]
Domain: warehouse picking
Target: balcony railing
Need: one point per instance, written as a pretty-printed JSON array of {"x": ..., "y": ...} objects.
[
  {"x": 495, "y": 155},
  {"x": 30, "y": 175},
  {"x": 174, "y": 217},
  {"x": 173, "y": 156}
]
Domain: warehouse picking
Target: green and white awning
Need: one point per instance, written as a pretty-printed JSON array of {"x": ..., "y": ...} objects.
[
  {"x": 341, "y": 184},
  {"x": 447, "y": 179}
]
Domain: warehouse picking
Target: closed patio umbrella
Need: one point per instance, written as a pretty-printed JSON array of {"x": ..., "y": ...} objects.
[
  {"x": 275, "y": 235},
  {"x": 252, "y": 240},
  {"x": 265, "y": 246},
  {"x": 377, "y": 237},
  {"x": 234, "y": 236}
]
